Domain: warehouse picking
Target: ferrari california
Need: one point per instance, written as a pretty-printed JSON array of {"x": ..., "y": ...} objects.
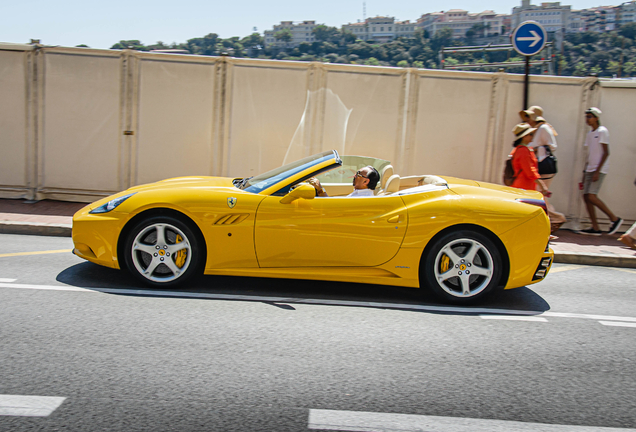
[{"x": 462, "y": 239}]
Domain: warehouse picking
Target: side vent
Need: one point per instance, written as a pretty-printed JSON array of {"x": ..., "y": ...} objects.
[{"x": 231, "y": 219}]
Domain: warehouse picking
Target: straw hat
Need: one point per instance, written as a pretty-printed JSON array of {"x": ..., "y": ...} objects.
[
  {"x": 536, "y": 109},
  {"x": 523, "y": 129}
]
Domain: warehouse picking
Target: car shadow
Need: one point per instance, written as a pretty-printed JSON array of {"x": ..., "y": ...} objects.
[{"x": 283, "y": 293}]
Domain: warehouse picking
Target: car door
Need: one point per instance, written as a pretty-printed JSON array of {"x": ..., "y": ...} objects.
[{"x": 329, "y": 231}]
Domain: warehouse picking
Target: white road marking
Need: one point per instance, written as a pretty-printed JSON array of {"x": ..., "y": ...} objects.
[
  {"x": 514, "y": 318},
  {"x": 356, "y": 421},
  {"x": 325, "y": 302},
  {"x": 618, "y": 324},
  {"x": 29, "y": 406},
  {"x": 7, "y": 280}
]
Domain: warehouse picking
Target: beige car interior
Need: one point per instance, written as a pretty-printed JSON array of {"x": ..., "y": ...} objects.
[{"x": 389, "y": 183}]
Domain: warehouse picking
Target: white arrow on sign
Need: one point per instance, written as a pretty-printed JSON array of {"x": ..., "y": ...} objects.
[{"x": 535, "y": 37}]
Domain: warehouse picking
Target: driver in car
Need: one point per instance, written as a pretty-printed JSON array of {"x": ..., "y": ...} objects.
[{"x": 364, "y": 183}]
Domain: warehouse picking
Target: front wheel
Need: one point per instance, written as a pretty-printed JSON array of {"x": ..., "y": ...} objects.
[
  {"x": 462, "y": 267},
  {"x": 162, "y": 251}
]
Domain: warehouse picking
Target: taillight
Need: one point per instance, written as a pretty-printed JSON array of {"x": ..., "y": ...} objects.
[{"x": 536, "y": 202}]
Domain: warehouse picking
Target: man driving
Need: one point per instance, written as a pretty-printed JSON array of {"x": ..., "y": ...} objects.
[{"x": 364, "y": 183}]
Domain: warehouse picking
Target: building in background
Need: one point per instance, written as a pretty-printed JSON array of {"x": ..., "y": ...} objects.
[
  {"x": 576, "y": 22},
  {"x": 300, "y": 31},
  {"x": 599, "y": 19},
  {"x": 626, "y": 13},
  {"x": 553, "y": 16},
  {"x": 380, "y": 29},
  {"x": 484, "y": 24}
]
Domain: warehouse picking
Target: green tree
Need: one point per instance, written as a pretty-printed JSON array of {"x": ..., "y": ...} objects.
[
  {"x": 323, "y": 33},
  {"x": 203, "y": 46},
  {"x": 443, "y": 37},
  {"x": 580, "y": 69},
  {"x": 130, "y": 44},
  {"x": 284, "y": 35},
  {"x": 372, "y": 62},
  {"x": 255, "y": 40},
  {"x": 628, "y": 30},
  {"x": 347, "y": 37},
  {"x": 362, "y": 49}
]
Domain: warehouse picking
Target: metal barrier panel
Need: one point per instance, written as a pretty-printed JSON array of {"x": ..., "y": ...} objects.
[
  {"x": 81, "y": 108},
  {"x": 362, "y": 111},
  {"x": 174, "y": 126},
  {"x": 266, "y": 121},
  {"x": 452, "y": 124},
  {"x": 14, "y": 140}
]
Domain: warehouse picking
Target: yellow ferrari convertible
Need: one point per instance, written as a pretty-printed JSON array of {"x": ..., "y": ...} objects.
[{"x": 460, "y": 238}]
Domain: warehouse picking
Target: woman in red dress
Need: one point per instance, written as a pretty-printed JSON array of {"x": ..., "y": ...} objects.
[{"x": 524, "y": 162}]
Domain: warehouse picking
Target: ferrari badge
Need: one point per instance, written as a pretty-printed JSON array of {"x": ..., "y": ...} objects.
[{"x": 231, "y": 202}]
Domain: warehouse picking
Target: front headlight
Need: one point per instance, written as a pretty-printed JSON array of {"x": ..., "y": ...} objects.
[{"x": 110, "y": 205}]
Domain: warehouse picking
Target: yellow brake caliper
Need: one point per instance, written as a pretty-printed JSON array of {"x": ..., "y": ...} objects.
[
  {"x": 444, "y": 264},
  {"x": 180, "y": 257}
]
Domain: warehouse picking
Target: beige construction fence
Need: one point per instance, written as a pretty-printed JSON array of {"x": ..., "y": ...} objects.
[{"x": 78, "y": 124}]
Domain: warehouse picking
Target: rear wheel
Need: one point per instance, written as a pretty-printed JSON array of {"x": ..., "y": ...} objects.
[
  {"x": 462, "y": 267},
  {"x": 162, "y": 251}
]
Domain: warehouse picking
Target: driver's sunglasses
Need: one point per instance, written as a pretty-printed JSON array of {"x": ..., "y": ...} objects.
[{"x": 358, "y": 174}]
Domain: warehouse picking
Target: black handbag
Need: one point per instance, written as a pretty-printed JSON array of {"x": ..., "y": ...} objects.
[{"x": 549, "y": 164}]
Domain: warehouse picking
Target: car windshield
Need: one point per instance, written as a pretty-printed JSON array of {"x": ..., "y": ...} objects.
[
  {"x": 350, "y": 165},
  {"x": 263, "y": 181}
]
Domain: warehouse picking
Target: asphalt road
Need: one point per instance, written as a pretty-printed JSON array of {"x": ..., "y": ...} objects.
[{"x": 83, "y": 348}]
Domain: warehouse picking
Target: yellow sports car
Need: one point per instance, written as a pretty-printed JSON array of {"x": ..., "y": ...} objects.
[{"x": 463, "y": 239}]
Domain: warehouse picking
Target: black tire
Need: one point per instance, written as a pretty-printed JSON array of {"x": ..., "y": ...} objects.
[
  {"x": 462, "y": 267},
  {"x": 166, "y": 262}
]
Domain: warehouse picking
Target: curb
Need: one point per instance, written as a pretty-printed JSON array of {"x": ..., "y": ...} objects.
[
  {"x": 595, "y": 259},
  {"x": 28, "y": 228}
]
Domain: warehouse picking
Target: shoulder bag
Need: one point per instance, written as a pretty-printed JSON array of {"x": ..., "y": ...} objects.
[{"x": 549, "y": 164}]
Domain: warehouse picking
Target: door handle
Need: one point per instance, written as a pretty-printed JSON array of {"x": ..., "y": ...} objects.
[{"x": 394, "y": 219}]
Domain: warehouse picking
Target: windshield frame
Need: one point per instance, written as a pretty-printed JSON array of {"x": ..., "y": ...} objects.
[{"x": 279, "y": 179}]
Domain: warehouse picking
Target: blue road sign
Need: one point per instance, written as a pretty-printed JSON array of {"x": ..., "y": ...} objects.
[{"x": 529, "y": 38}]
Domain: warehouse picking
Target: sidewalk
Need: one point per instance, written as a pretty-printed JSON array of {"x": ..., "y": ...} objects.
[{"x": 54, "y": 218}]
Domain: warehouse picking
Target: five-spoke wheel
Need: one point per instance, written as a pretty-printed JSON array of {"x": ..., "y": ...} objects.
[
  {"x": 162, "y": 251},
  {"x": 462, "y": 266}
]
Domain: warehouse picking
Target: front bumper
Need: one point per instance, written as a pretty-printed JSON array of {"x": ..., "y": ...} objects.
[{"x": 95, "y": 236}]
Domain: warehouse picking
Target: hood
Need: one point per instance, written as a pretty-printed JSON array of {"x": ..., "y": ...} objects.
[{"x": 186, "y": 182}]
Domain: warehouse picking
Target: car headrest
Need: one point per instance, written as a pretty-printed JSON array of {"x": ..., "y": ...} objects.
[
  {"x": 392, "y": 184},
  {"x": 387, "y": 172}
]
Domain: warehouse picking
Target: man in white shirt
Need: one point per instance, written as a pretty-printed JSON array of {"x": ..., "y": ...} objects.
[
  {"x": 597, "y": 143},
  {"x": 364, "y": 183}
]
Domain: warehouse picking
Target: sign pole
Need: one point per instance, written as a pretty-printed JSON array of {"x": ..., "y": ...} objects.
[
  {"x": 528, "y": 39},
  {"x": 526, "y": 84}
]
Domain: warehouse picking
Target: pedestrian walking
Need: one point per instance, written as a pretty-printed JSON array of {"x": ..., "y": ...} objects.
[
  {"x": 524, "y": 162},
  {"x": 597, "y": 143},
  {"x": 544, "y": 144}
]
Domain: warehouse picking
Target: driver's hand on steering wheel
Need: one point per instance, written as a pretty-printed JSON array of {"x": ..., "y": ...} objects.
[{"x": 316, "y": 184}]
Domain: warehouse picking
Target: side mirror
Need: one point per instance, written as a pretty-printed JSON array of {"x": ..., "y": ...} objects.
[{"x": 303, "y": 190}]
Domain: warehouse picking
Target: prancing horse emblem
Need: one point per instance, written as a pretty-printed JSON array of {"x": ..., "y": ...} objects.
[{"x": 231, "y": 202}]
